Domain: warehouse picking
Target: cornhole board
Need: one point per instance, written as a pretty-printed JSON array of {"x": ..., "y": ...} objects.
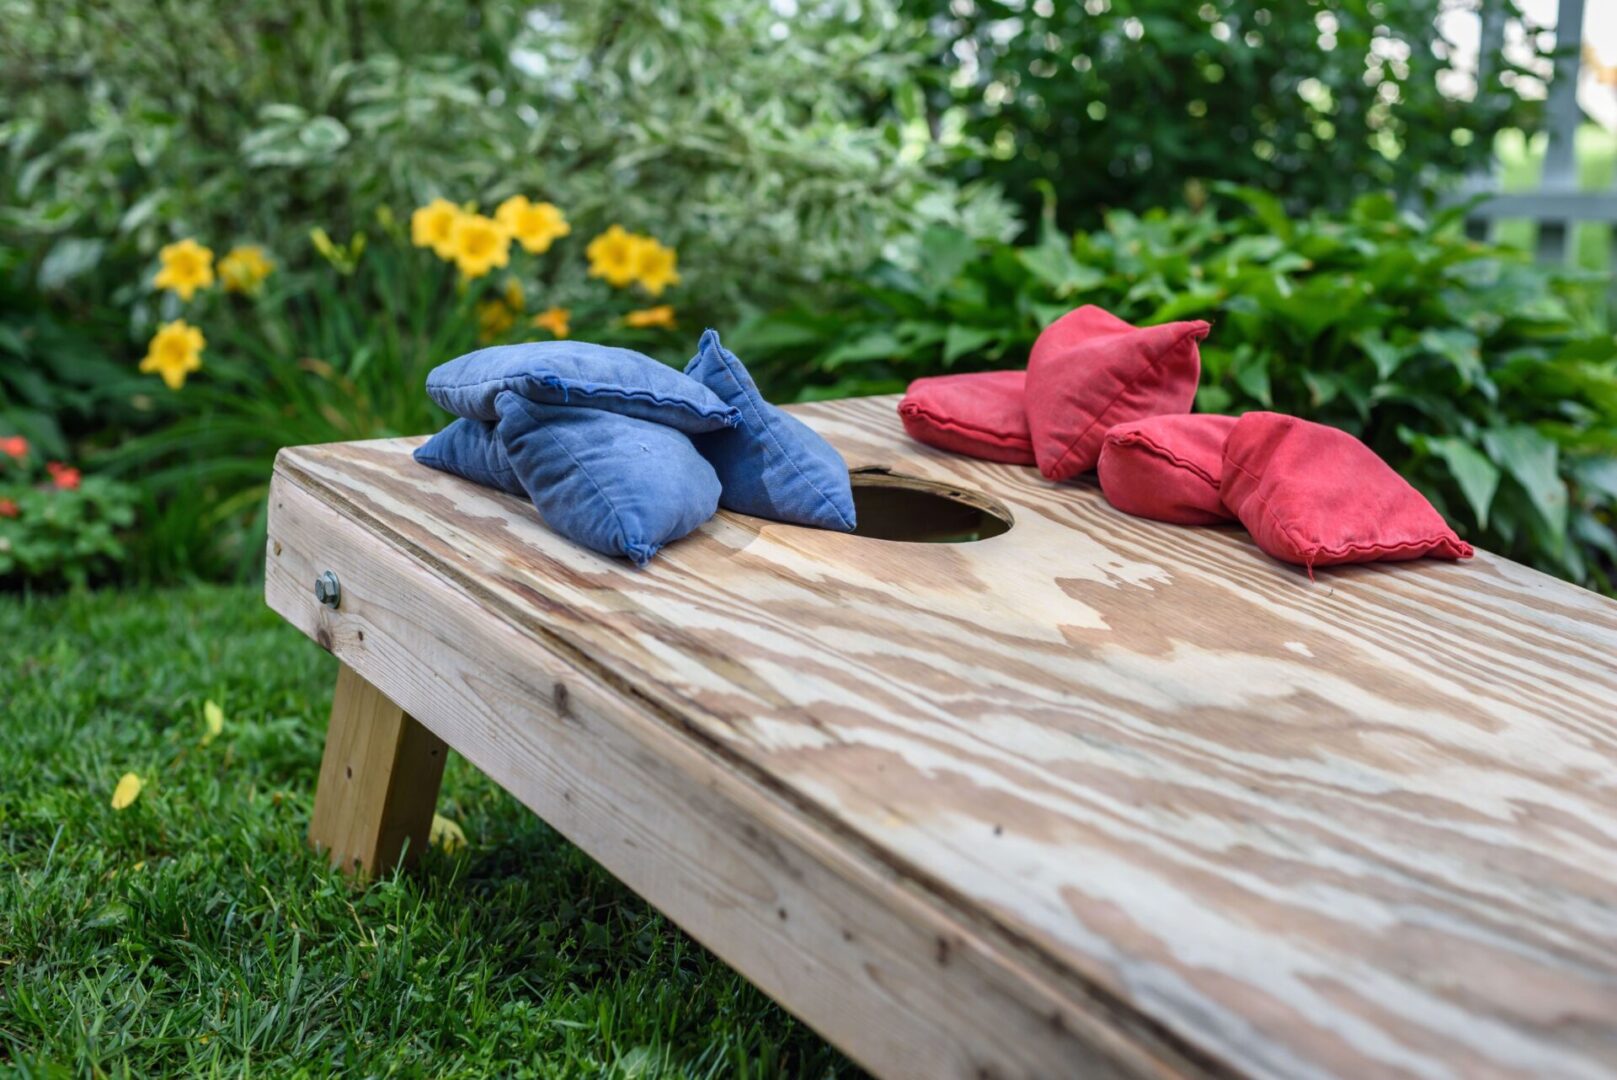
[{"x": 1094, "y": 796}]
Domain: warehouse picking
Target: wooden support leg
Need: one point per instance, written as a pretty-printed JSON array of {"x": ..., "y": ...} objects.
[{"x": 378, "y": 781}]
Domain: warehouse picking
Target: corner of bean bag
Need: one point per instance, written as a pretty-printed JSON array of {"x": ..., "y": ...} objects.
[{"x": 772, "y": 465}]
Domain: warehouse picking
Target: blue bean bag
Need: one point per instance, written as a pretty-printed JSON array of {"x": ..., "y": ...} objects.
[
  {"x": 616, "y": 484},
  {"x": 469, "y": 449},
  {"x": 772, "y": 465},
  {"x": 577, "y": 373}
]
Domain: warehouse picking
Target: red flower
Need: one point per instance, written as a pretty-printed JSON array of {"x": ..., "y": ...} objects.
[
  {"x": 8, "y": 508},
  {"x": 65, "y": 476},
  {"x": 14, "y": 445}
]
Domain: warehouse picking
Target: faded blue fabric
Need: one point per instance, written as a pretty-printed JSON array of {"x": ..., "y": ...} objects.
[
  {"x": 617, "y": 484},
  {"x": 469, "y": 449},
  {"x": 772, "y": 465},
  {"x": 577, "y": 373}
]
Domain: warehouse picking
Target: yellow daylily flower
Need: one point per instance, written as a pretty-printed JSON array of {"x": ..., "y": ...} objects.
[
  {"x": 480, "y": 244},
  {"x": 493, "y": 320},
  {"x": 661, "y": 315},
  {"x": 446, "y": 834},
  {"x": 175, "y": 351},
  {"x": 431, "y": 226},
  {"x": 187, "y": 267},
  {"x": 615, "y": 256},
  {"x": 534, "y": 225},
  {"x": 127, "y": 791},
  {"x": 244, "y": 269},
  {"x": 213, "y": 719},
  {"x": 555, "y": 320},
  {"x": 656, "y": 267}
]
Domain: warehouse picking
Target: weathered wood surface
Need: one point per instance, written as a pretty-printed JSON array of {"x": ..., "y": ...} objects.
[
  {"x": 817, "y": 921},
  {"x": 1178, "y": 808}
]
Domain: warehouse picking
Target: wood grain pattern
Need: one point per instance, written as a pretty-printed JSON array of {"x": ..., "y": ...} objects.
[
  {"x": 847, "y": 943},
  {"x": 1224, "y": 818},
  {"x": 379, "y": 778}
]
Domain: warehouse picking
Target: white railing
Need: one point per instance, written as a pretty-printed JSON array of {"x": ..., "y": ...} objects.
[{"x": 1557, "y": 203}]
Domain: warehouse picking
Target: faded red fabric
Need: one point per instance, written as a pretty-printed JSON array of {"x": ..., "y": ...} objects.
[
  {"x": 1090, "y": 370},
  {"x": 1167, "y": 468},
  {"x": 1316, "y": 496},
  {"x": 981, "y": 415}
]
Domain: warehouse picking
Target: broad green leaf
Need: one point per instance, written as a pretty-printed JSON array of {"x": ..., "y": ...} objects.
[
  {"x": 961, "y": 340},
  {"x": 1323, "y": 388},
  {"x": 1213, "y": 399},
  {"x": 1193, "y": 301},
  {"x": 69, "y": 258},
  {"x": 1461, "y": 348},
  {"x": 1477, "y": 476},
  {"x": 1251, "y": 373},
  {"x": 846, "y": 388},
  {"x": 910, "y": 101},
  {"x": 1055, "y": 265},
  {"x": 876, "y": 345},
  {"x": 1590, "y": 530},
  {"x": 1599, "y": 474},
  {"x": 324, "y": 135},
  {"x": 768, "y": 333},
  {"x": 1045, "y": 314},
  {"x": 944, "y": 253},
  {"x": 1386, "y": 356},
  {"x": 1264, "y": 206},
  {"x": 1533, "y": 461}
]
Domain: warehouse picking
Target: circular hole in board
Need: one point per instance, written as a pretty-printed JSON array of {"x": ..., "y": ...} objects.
[{"x": 893, "y": 506}]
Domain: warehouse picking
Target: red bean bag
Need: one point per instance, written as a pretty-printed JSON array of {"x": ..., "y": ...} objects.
[
  {"x": 1316, "y": 496},
  {"x": 1167, "y": 468},
  {"x": 1090, "y": 370},
  {"x": 981, "y": 415}
]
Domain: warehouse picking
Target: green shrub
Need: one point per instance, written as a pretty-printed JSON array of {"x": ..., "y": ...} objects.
[
  {"x": 124, "y": 125},
  {"x": 1139, "y": 103},
  {"x": 1469, "y": 368},
  {"x": 56, "y": 525},
  {"x": 59, "y": 383}
]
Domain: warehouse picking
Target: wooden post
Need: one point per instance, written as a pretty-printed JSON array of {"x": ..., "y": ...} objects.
[
  {"x": 1562, "y": 117},
  {"x": 378, "y": 781}
]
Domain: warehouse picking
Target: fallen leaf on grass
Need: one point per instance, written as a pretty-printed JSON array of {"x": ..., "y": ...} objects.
[
  {"x": 446, "y": 834},
  {"x": 214, "y": 717},
  {"x": 127, "y": 791}
]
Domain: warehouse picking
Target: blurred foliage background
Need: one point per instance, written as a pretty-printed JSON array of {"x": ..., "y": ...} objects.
[
  {"x": 859, "y": 191},
  {"x": 129, "y": 123},
  {"x": 1136, "y": 104}
]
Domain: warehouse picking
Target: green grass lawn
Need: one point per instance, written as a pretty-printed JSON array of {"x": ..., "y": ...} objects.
[{"x": 194, "y": 933}]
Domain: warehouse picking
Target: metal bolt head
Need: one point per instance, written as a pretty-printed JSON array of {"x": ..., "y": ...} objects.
[{"x": 327, "y": 589}]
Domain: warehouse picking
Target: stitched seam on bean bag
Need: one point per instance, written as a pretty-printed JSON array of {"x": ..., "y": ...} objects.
[
  {"x": 959, "y": 425},
  {"x": 730, "y": 414},
  {"x": 1351, "y": 546},
  {"x": 1084, "y": 434},
  {"x": 1135, "y": 437}
]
